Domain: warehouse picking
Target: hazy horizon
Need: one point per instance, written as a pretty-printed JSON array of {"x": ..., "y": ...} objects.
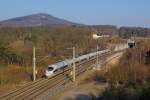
[{"x": 89, "y": 12}]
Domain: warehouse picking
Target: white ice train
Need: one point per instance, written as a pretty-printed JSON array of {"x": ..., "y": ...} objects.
[{"x": 53, "y": 68}]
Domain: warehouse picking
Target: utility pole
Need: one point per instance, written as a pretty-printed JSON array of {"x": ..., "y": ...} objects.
[
  {"x": 74, "y": 66},
  {"x": 34, "y": 65},
  {"x": 97, "y": 65}
]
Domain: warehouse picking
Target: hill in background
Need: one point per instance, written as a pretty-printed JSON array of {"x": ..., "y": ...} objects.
[{"x": 39, "y": 19}]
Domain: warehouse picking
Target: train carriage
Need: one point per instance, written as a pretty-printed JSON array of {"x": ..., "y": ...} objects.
[{"x": 52, "y": 68}]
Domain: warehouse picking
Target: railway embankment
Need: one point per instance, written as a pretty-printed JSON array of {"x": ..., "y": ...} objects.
[{"x": 90, "y": 84}]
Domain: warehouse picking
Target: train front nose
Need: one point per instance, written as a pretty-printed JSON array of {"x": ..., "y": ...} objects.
[{"x": 48, "y": 73}]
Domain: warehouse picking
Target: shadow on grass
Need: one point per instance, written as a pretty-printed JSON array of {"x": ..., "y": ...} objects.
[{"x": 86, "y": 97}]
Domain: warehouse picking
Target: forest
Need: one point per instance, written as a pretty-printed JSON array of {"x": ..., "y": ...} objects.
[
  {"x": 52, "y": 44},
  {"x": 16, "y": 43},
  {"x": 129, "y": 80}
]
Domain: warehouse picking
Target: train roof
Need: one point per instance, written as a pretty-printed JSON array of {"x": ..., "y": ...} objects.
[
  {"x": 70, "y": 61},
  {"x": 58, "y": 64}
]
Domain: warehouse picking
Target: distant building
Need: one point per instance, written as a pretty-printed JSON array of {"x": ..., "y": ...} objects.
[
  {"x": 131, "y": 43},
  {"x": 100, "y": 34}
]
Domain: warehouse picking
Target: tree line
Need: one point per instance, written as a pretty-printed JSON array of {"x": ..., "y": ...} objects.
[{"x": 53, "y": 41}]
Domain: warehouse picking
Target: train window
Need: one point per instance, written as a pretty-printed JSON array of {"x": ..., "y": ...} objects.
[{"x": 50, "y": 68}]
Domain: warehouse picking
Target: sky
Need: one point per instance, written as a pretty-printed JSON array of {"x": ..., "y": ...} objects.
[{"x": 91, "y": 12}]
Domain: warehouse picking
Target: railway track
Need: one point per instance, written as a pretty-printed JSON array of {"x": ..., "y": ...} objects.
[
  {"x": 34, "y": 89},
  {"x": 30, "y": 87},
  {"x": 56, "y": 84}
]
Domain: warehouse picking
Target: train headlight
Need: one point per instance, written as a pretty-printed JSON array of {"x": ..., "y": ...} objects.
[{"x": 48, "y": 73}]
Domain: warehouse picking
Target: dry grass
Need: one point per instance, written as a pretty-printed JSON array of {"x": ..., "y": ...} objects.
[
  {"x": 93, "y": 76},
  {"x": 12, "y": 76}
]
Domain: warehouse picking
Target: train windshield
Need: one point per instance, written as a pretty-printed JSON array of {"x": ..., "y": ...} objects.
[{"x": 50, "y": 68}]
